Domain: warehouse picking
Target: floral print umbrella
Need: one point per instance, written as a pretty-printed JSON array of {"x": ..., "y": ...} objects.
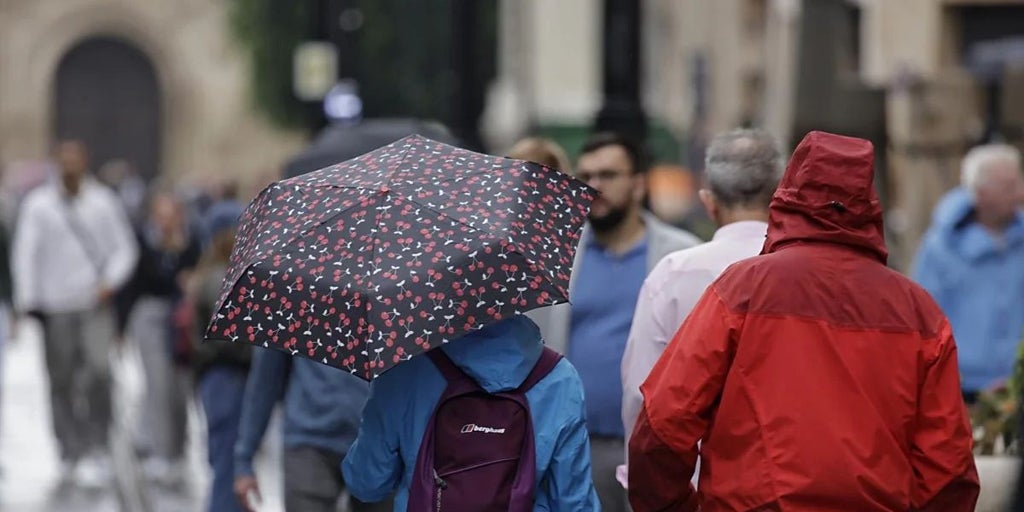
[{"x": 369, "y": 262}]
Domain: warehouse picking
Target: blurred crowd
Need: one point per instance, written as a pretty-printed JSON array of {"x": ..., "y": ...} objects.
[{"x": 104, "y": 259}]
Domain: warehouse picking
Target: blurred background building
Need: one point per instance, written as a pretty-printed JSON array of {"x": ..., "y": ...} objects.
[
  {"x": 217, "y": 92},
  {"x": 202, "y": 88},
  {"x": 159, "y": 84},
  {"x": 923, "y": 79}
]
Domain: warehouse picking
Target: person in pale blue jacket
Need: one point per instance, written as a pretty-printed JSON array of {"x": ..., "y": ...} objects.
[
  {"x": 971, "y": 261},
  {"x": 498, "y": 357}
]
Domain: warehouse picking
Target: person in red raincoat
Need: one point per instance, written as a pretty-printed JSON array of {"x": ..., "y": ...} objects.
[{"x": 818, "y": 378}]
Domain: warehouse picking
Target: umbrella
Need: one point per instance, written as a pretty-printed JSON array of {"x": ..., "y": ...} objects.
[
  {"x": 367, "y": 263},
  {"x": 344, "y": 141}
]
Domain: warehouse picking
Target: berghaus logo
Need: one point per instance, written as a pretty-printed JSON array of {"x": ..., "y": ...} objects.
[{"x": 472, "y": 427}]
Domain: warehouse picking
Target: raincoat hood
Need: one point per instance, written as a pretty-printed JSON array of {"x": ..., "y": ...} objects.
[
  {"x": 954, "y": 228},
  {"x": 500, "y": 355},
  {"x": 954, "y": 207},
  {"x": 827, "y": 195}
]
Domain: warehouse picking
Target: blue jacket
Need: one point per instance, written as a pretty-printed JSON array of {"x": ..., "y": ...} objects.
[
  {"x": 979, "y": 284},
  {"x": 322, "y": 405},
  {"x": 499, "y": 357}
]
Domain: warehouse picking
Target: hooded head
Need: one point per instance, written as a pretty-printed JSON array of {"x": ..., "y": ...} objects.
[
  {"x": 827, "y": 195},
  {"x": 500, "y": 355}
]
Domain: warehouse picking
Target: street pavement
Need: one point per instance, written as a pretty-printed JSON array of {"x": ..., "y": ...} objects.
[{"x": 28, "y": 458}]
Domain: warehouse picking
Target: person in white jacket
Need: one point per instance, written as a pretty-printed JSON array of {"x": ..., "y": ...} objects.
[{"x": 73, "y": 248}]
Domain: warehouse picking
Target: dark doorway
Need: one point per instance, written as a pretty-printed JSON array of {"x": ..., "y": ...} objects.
[{"x": 107, "y": 95}]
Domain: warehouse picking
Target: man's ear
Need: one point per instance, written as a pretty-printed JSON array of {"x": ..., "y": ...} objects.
[
  {"x": 640, "y": 191},
  {"x": 707, "y": 198}
]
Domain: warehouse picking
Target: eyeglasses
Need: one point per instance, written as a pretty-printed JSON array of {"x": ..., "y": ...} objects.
[{"x": 602, "y": 175}]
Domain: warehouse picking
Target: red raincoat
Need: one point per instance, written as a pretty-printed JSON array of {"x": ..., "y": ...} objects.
[{"x": 819, "y": 379}]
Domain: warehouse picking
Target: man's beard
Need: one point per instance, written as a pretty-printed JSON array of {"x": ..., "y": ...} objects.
[{"x": 610, "y": 220}]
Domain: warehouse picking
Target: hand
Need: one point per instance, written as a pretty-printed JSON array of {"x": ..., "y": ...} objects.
[
  {"x": 188, "y": 283},
  {"x": 245, "y": 486},
  {"x": 105, "y": 295}
]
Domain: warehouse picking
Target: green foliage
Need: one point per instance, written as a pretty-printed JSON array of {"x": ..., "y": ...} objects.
[
  {"x": 401, "y": 59},
  {"x": 996, "y": 414},
  {"x": 405, "y": 56},
  {"x": 404, "y": 59},
  {"x": 269, "y": 31}
]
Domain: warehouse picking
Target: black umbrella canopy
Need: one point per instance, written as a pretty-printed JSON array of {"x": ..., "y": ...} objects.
[{"x": 367, "y": 263}]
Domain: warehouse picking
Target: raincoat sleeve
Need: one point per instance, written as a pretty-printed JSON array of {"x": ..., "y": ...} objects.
[
  {"x": 264, "y": 387},
  {"x": 946, "y": 478},
  {"x": 679, "y": 399},
  {"x": 570, "y": 485},
  {"x": 373, "y": 467}
]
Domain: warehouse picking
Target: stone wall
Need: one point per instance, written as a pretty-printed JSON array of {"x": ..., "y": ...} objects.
[{"x": 210, "y": 128}]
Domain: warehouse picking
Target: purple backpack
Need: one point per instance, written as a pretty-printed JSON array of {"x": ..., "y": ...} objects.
[{"x": 478, "y": 451}]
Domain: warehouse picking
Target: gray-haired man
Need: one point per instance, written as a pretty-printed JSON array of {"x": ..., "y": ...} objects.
[{"x": 742, "y": 170}]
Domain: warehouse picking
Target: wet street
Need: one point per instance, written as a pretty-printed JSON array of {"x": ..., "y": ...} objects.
[{"x": 30, "y": 480}]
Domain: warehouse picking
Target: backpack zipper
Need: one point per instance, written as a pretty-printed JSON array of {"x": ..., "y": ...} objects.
[
  {"x": 441, "y": 486},
  {"x": 476, "y": 466}
]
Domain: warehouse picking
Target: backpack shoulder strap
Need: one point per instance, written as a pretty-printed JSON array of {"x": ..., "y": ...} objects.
[
  {"x": 451, "y": 372},
  {"x": 547, "y": 361}
]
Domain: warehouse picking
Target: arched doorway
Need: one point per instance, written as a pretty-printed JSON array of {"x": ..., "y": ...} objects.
[{"x": 107, "y": 95}]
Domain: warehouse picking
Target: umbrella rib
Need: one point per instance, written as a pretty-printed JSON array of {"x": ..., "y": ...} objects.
[
  {"x": 475, "y": 172},
  {"x": 534, "y": 266},
  {"x": 300, "y": 234},
  {"x": 453, "y": 219},
  {"x": 332, "y": 185},
  {"x": 376, "y": 238}
]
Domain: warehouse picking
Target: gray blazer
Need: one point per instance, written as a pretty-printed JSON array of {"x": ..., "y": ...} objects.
[{"x": 662, "y": 239}]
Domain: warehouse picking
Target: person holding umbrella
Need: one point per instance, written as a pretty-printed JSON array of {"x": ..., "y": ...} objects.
[
  {"x": 367, "y": 264},
  {"x": 321, "y": 414},
  {"x": 499, "y": 358},
  {"x": 220, "y": 370}
]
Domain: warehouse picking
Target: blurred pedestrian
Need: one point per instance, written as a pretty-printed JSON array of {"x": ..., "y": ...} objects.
[
  {"x": 498, "y": 358},
  {"x": 220, "y": 368},
  {"x": 620, "y": 240},
  {"x": 73, "y": 248},
  {"x": 542, "y": 151},
  {"x": 322, "y": 410},
  {"x": 742, "y": 170},
  {"x": 168, "y": 252},
  {"x": 131, "y": 189},
  {"x": 124, "y": 179},
  {"x": 817, "y": 377},
  {"x": 970, "y": 260}
]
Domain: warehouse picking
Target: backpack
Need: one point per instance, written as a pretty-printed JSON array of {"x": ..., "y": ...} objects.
[{"x": 477, "y": 453}]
